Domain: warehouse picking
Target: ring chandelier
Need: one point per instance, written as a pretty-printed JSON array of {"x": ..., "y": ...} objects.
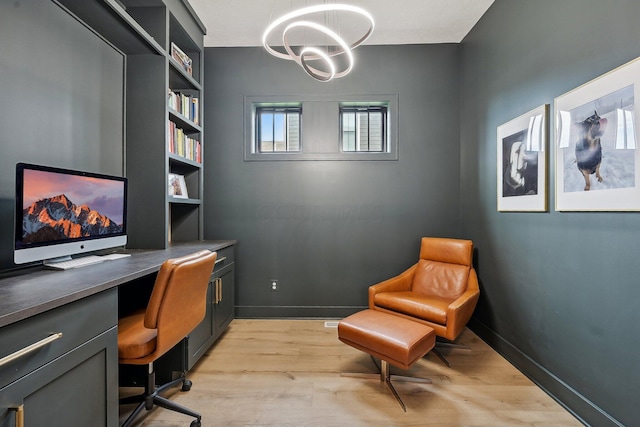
[{"x": 307, "y": 54}]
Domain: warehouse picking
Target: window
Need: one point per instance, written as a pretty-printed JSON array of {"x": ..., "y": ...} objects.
[
  {"x": 334, "y": 127},
  {"x": 278, "y": 129},
  {"x": 363, "y": 128}
]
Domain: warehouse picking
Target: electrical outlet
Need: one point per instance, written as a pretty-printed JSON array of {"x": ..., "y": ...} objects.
[{"x": 274, "y": 285}]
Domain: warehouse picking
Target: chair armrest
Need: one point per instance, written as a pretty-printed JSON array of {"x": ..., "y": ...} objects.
[
  {"x": 399, "y": 283},
  {"x": 459, "y": 311}
]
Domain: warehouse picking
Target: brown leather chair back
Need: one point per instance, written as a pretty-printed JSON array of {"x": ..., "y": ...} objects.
[
  {"x": 443, "y": 268},
  {"x": 451, "y": 251},
  {"x": 178, "y": 300}
]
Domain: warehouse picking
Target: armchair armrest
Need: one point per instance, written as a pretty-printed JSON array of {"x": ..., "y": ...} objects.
[
  {"x": 399, "y": 283},
  {"x": 459, "y": 311}
]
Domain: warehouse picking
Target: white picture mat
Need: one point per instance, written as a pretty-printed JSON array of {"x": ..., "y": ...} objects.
[
  {"x": 177, "y": 186},
  {"x": 524, "y": 203},
  {"x": 598, "y": 198}
]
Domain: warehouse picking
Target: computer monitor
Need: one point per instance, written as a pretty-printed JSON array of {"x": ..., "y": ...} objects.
[{"x": 63, "y": 212}]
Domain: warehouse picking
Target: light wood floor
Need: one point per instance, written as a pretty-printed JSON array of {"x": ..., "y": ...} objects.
[{"x": 287, "y": 373}]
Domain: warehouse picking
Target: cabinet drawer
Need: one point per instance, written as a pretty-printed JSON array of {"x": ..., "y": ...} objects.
[
  {"x": 78, "y": 322},
  {"x": 225, "y": 257}
]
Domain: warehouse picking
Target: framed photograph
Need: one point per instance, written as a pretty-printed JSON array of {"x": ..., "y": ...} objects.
[
  {"x": 522, "y": 162},
  {"x": 177, "y": 186},
  {"x": 596, "y": 148},
  {"x": 182, "y": 58}
]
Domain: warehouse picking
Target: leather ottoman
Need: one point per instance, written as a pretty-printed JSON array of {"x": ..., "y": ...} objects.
[{"x": 392, "y": 339}]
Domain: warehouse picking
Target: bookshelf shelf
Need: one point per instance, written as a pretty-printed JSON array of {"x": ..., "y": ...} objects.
[
  {"x": 179, "y": 164},
  {"x": 179, "y": 77},
  {"x": 179, "y": 201},
  {"x": 184, "y": 122},
  {"x": 114, "y": 24}
]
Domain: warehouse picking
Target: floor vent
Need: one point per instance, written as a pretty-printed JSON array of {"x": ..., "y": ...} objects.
[{"x": 333, "y": 324}]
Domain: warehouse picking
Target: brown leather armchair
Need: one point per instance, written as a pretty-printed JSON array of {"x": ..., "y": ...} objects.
[
  {"x": 176, "y": 306},
  {"x": 440, "y": 290}
]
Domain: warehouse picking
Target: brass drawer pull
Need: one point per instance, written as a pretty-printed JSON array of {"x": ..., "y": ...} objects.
[
  {"x": 224, "y": 258},
  {"x": 217, "y": 290},
  {"x": 218, "y": 285},
  {"x": 33, "y": 347}
]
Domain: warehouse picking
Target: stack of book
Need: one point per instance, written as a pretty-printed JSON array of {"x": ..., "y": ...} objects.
[
  {"x": 182, "y": 145},
  {"x": 186, "y": 105}
]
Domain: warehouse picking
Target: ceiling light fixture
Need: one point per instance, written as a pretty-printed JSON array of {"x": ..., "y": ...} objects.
[{"x": 306, "y": 55}]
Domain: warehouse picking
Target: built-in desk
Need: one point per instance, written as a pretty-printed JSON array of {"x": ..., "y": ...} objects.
[{"x": 72, "y": 380}]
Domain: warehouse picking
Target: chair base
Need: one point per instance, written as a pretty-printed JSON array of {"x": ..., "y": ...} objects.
[
  {"x": 151, "y": 397},
  {"x": 386, "y": 377},
  {"x": 440, "y": 356}
]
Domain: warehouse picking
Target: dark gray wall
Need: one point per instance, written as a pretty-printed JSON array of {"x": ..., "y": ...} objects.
[
  {"x": 62, "y": 100},
  {"x": 559, "y": 290},
  {"x": 326, "y": 230}
]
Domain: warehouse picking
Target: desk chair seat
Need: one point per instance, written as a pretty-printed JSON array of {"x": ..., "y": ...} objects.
[
  {"x": 177, "y": 305},
  {"x": 134, "y": 340}
]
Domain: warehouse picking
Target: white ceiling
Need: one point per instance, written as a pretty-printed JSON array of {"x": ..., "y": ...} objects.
[{"x": 242, "y": 22}]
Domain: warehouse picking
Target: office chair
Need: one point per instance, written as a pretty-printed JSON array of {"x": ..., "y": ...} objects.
[
  {"x": 176, "y": 306},
  {"x": 440, "y": 290}
]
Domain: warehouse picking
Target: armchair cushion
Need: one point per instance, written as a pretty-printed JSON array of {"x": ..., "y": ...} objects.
[{"x": 433, "y": 309}]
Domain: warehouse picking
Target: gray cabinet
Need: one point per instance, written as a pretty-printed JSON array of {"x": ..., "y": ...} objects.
[
  {"x": 71, "y": 380},
  {"x": 224, "y": 305},
  {"x": 220, "y": 308}
]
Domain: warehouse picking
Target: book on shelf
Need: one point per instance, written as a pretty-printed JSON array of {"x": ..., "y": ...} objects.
[
  {"x": 182, "y": 145},
  {"x": 195, "y": 110},
  {"x": 183, "y": 59},
  {"x": 187, "y": 105}
]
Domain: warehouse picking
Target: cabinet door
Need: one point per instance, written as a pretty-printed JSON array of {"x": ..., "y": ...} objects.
[
  {"x": 78, "y": 389},
  {"x": 201, "y": 338},
  {"x": 224, "y": 308}
]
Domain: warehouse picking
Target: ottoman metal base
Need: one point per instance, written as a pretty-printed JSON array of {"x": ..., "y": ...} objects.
[{"x": 386, "y": 377}]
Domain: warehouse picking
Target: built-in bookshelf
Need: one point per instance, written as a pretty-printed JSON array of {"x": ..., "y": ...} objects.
[
  {"x": 184, "y": 140},
  {"x": 163, "y": 41}
]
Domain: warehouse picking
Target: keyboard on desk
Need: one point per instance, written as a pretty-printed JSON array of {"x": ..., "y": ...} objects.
[
  {"x": 83, "y": 261},
  {"x": 111, "y": 257},
  {"x": 75, "y": 262}
]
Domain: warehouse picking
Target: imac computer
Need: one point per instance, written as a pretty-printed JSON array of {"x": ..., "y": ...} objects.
[{"x": 63, "y": 212}]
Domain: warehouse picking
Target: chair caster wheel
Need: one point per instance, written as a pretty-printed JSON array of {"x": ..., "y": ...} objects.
[
  {"x": 196, "y": 423},
  {"x": 186, "y": 386}
]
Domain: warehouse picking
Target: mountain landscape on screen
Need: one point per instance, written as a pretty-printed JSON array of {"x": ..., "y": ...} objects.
[{"x": 58, "y": 218}]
